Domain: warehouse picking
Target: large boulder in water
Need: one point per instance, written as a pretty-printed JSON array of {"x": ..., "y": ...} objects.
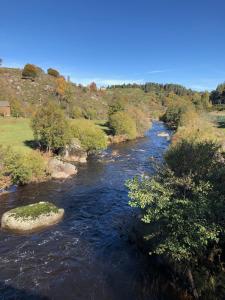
[
  {"x": 74, "y": 152},
  {"x": 32, "y": 217},
  {"x": 60, "y": 170}
]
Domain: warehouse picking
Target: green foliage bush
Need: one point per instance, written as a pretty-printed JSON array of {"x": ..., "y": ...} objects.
[
  {"x": 22, "y": 168},
  {"x": 76, "y": 113},
  {"x": 50, "y": 127},
  {"x": 142, "y": 122},
  {"x": 122, "y": 124},
  {"x": 92, "y": 138},
  {"x": 53, "y": 72},
  {"x": 174, "y": 112},
  {"x": 117, "y": 105},
  {"x": 30, "y": 71},
  {"x": 183, "y": 204}
]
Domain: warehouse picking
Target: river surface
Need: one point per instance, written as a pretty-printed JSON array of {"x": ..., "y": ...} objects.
[{"x": 88, "y": 255}]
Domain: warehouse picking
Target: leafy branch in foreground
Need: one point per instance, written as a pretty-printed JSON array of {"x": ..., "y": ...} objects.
[{"x": 183, "y": 205}]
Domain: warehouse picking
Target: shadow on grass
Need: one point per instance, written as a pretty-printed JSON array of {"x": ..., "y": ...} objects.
[
  {"x": 32, "y": 144},
  {"x": 105, "y": 127},
  {"x": 221, "y": 124},
  {"x": 7, "y": 292}
]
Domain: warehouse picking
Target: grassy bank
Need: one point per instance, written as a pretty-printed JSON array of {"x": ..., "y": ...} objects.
[{"x": 16, "y": 133}]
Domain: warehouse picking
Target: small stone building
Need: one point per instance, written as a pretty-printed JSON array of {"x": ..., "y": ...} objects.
[{"x": 5, "y": 110}]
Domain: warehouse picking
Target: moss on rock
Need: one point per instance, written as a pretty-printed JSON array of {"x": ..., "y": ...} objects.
[{"x": 31, "y": 217}]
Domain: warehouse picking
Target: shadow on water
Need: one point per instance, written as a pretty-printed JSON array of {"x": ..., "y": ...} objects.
[{"x": 88, "y": 255}]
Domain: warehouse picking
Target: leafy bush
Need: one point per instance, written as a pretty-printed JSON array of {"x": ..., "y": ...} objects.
[
  {"x": 195, "y": 127},
  {"x": 90, "y": 114},
  {"x": 117, "y": 105},
  {"x": 183, "y": 204},
  {"x": 92, "y": 138},
  {"x": 142, "y": 122},
  {"x": 51, "y": 127},
  {"x": 122, "y": 124},
  {"x": 22, "y": 168},
  {"x": 175, "y": 111},
  {"x": 53, "y": 72},
  {"x": 30, "y": 71},
  {"x": 76, "y": 113}
]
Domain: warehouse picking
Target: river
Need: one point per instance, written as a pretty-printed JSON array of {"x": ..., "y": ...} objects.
[{"x": 88, "y": 255}]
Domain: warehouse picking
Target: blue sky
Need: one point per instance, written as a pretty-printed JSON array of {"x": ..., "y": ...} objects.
[{"x": 180, "y": 41}]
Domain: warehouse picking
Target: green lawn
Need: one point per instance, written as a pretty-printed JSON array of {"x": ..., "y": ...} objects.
[{"x": 16, "y": 132}]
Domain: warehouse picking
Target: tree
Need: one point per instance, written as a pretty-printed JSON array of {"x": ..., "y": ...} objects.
[
  {"x": 117, "y": 105},
  {"x": 92, "y": 138},
  {"x": 122, "y": 124},
  {"x": 93, "y": 87},
  {"x": 50, "y": 127},
  {"x": 183, "y": 204},
  {"x": 1, "y": 61},
  {"x": 30, "y": 71},
  {"x": 61, "y": 86},
  {"x": 53, "y": 72}
]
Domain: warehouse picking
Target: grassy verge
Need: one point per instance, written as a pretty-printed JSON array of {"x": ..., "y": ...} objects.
[{"x": 16, "y": 133}]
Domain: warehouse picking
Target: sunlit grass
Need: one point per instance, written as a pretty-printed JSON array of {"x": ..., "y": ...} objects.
[{"x": 16, "y": 132}]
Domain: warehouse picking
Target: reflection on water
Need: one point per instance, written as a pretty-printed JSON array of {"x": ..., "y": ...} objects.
[{"x": 88, "y": 255}]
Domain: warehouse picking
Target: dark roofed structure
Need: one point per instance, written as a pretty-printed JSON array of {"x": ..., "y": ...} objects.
[{"x": 5, "y": 109}]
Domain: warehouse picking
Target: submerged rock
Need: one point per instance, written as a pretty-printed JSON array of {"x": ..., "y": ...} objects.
[
  {"x": 61, "y": 170},
  {"x": 32, "y": 217}
]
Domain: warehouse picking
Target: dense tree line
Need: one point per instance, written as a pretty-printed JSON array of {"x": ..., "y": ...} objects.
[
  {"x": 218, "y": 96},
  {"x": 150, "y": 87}
]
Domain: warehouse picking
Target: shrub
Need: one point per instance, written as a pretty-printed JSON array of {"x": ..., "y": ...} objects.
[
  {"x": 30, "y": 71},
  {"x": 183, "y": 205},
  {"x": 22, "y": 168},
  {"x": 122, "y": 124},
  {"x": 197, "y": 128},
  {"x": 76, "y": 113},
  {"x": 91, "y": 137},
  {"x": 142, "y": 122},
  {"x": 53, "y": 72},
  {"x": 51, "y": 127},
  {"x": 90, "y": 113},
  {"x": 116, "y": 106},
  {"x": 175, "y": 111}
]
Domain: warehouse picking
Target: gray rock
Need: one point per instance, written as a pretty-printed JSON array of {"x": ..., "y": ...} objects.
[
  {"x": 74, "y": 152},
  {"x": 60, "y": 170}
]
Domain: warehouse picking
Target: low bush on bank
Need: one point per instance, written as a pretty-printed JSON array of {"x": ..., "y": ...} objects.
[
  {"x": 122, "y": 124},
  {"x": 21, "y": 168},
  {"x": 196, "y": 127},
  {"x": 142, "y": 122},
  {"x": 92, "y": 138},
  {"x": 175, "y": 111}
]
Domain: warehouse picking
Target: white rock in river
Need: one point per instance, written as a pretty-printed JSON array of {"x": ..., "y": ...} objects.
[
  {"x": 163, "y": 134},
  {"x": 59, "y": 169},
  {"x": 31, "y": 217}
]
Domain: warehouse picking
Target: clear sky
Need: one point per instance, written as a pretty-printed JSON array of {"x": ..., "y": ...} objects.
[{"x": 180, "y": 41}]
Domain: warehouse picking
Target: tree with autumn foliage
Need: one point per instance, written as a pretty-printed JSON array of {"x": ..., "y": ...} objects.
[
  {"x": 61, "y": 85},
  {"x": 93, "y": 87}
]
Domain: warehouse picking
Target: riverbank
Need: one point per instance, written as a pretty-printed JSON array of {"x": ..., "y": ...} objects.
[{"x": 22, "y": 164}]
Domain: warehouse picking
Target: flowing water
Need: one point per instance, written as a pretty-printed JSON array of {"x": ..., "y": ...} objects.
[{"x": 88, "y": 255}]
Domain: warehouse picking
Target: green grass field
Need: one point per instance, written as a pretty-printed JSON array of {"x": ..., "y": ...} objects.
[{"x": 16, "y": 132}]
